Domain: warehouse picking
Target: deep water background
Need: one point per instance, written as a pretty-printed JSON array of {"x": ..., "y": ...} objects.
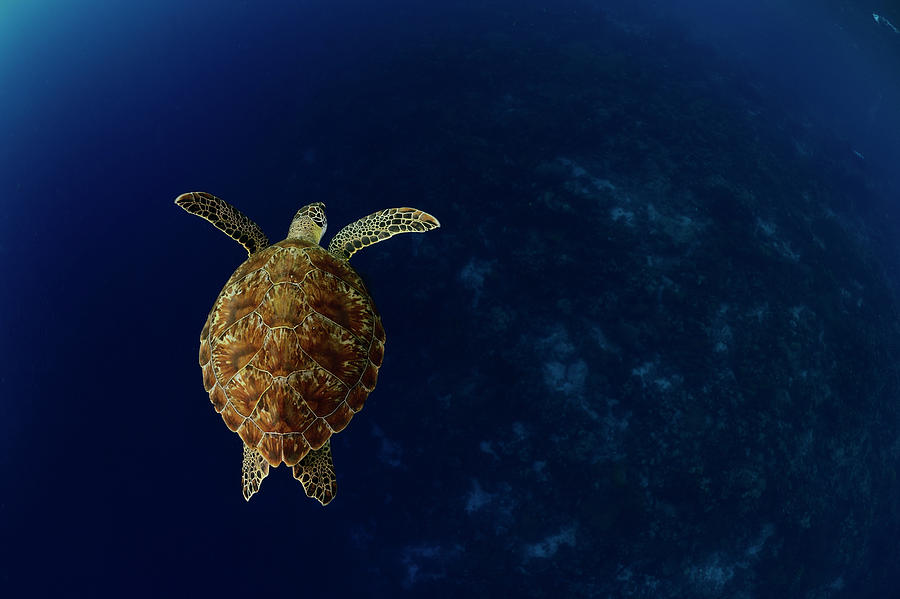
[{"x": 650, "y": 353}]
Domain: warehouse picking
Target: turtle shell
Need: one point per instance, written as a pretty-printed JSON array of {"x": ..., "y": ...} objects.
[{"x": 291, "y": 349}]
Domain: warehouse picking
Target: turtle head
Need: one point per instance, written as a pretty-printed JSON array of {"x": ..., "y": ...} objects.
[{"x": 309, "y": 223}]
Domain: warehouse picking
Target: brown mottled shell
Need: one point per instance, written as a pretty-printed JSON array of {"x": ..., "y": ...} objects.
[{"x": 291, "y": 349}]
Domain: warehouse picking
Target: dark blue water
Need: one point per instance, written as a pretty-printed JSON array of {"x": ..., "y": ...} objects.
[{"x": 651, "y": 352}]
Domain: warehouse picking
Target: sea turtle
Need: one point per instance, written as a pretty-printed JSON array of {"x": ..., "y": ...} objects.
[{"x": 292, "y": 345}]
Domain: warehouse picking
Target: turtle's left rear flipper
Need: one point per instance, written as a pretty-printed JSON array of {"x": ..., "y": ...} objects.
[{"x": 254, "y": 469}]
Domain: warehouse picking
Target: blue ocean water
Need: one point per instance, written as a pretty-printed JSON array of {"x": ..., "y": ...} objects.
[{"x": 651, "y": 352}]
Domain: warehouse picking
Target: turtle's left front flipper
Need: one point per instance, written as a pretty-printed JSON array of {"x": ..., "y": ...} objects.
[
  {"x": 226, "y": 218},
  {"x": 380, "y": 226}
]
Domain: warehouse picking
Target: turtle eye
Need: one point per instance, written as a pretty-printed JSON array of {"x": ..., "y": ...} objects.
[
  {"x": 319, "y": 218},
  {"x": 316, "y": 213}
]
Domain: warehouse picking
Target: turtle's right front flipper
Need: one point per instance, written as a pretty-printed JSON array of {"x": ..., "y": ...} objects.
[
  {"x": 226, "y": 218},
  {"x": 378, "y": 227}
]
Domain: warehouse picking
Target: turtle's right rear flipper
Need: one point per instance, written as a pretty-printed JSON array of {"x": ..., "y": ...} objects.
[
  {"x": 316, "y": 473},
  {"x": 226, "y": 218}
]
